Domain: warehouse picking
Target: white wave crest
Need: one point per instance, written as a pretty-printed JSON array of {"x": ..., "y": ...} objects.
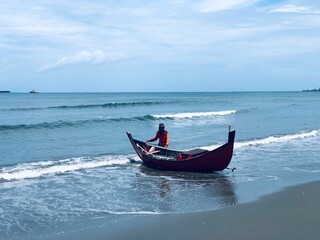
[
  {"x": 38, "y": 169},
  {"x": 269, "y": 140},
  {"x": 195, "y": 114},
  {"x": 277, "y": 139}
]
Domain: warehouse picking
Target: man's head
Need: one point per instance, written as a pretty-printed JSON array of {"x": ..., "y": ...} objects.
[{"x": 161, "y": 127}]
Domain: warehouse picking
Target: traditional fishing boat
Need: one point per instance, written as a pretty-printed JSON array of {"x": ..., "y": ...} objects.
[{"x": 195, "y": 160}]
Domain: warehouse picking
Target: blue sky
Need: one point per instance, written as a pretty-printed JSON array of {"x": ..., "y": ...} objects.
[{"x": 169, "y": 45}]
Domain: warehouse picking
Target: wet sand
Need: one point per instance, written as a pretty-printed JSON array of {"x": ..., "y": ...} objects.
[{"x": 293, "y": 213}]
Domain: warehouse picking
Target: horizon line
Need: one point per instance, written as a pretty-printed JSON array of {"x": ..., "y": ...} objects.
[{"x": 231, "y": 91}]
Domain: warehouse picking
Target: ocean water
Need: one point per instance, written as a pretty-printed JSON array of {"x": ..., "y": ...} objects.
[{"x": 66, "y": 163}]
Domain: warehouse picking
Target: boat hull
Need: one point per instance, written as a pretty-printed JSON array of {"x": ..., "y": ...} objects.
[{"x": 203, "y": 161}]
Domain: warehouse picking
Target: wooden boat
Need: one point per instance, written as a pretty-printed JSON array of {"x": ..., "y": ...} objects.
[{"x": 195, "y": 160}]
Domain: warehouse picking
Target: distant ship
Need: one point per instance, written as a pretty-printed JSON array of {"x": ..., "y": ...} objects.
[
  {"x": 4, "y": 91},
  {"x": 33, "y": 91}
]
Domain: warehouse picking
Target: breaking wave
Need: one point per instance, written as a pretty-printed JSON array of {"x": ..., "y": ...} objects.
[
  {"x": 43, "y": 168},
  {"x": 195, "y": 114},
  {"x": 39, "y": 169},
  {"x": 278, "y": 139},
  {"x": 271, "y": 140},
  {"x": 78, "y": 123}
]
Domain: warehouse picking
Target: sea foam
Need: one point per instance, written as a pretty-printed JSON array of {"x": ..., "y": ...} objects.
[
  {"x": 278, "y": 139},
  {"x": 270, "y": 140},
  {"x": 39, "y": 169}
]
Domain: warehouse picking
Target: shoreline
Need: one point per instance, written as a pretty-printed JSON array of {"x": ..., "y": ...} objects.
[{"x": 292, "y": 213}]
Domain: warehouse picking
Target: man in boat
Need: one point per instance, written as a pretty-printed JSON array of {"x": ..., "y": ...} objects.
[{"x": 162, "y": 135}]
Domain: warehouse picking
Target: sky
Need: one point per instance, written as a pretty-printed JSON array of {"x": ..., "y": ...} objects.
[{"x": 165, "y": 45}]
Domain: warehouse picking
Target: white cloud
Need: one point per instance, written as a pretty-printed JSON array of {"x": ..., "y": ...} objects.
[
  {"x": 219, "y": 5},
  {"x": 85, "y": 57},
  {"x": 295, "y": 9}
]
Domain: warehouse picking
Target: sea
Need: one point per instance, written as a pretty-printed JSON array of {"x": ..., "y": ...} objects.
[{"x": 66, "y": 164}]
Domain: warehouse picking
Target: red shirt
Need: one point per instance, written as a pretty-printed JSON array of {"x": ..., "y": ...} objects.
[{"x": 163, "y": 138}]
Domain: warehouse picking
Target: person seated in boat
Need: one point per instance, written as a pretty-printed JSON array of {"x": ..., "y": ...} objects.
[{"x": 162, "y": 135}]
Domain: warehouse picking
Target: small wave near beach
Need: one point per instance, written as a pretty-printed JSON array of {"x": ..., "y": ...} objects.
[
  {"x": 278, "y": 139},
  {"x": 43, "y": 168},
  {"x": 270, "y": 140}
]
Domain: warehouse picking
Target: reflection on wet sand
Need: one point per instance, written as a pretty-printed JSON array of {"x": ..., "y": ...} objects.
[{"x": 214, "y": 190}]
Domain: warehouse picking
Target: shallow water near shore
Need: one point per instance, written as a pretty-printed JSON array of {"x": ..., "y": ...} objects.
[{"x": 65, "y": 160}]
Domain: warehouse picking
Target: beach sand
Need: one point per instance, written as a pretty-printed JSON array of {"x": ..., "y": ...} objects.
[{"x": 293, "y": 213}]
